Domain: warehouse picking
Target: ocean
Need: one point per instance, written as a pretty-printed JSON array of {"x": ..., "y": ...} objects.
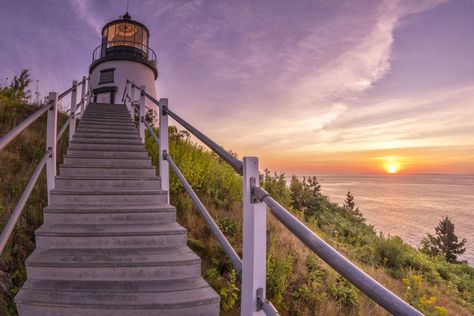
[{"x": 409, "y": 206}]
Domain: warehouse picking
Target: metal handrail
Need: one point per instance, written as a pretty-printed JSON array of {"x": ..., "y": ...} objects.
[
  {"x": 265, "y": 305},
  {"x": 10, "y": 226},
  {"x": 229, "y": 250},
  {"x": 11, "y": 135},
  {"x": 152, "y": 133},
  {"x": 65, "y": 93},
  {"x": 61, "y": 131},
  {"x": 226, "y": 156},
  {"x": 373, "y": 289},
  {"x": 221, "y": 152}
]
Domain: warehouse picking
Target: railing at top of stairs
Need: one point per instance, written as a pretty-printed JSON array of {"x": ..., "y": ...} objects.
[
  {"x": 52, "y": 138},
  {"x": 255, "y": 200}
]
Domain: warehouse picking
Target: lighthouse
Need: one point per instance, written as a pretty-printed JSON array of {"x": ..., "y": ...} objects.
[{"x": 124, "y": 53}]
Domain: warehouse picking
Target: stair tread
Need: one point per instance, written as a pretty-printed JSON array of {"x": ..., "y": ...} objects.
[
  {"x": 106, "y": 166},
  {"x": 152, "y": 299},
  {"x": 107, "y": 192},
  {"x": 122, "y": 208},
  {"x": 107, "y": 177},
  {"x": 118, "y": 257},
  {"x": 110, "y": 229},
  {"x": 152, "y": 286}
]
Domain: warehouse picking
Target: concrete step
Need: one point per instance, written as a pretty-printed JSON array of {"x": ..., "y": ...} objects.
[
  {"x": 101, "y": 197},
  {"x": 109, "y": 214},
  {"x": 91, "y": 170},
  {"x": 123, "y": 264},
  {"x": 106, "y": 183},
  {"x": 140, "y": 153},
  {"x": 109, "y": 115},
  {"x": 102, "y": 147},
  {"x": 72, "y": 160},
  {"x": 98, "y": 140},
  {"x": 108, "y": 125},
  {"x": 108, "y": 129},
  {"x": 112, "y": 113},
  {"x": 183, "y": 297},
  {"x": 167, "y": 235},
  {"x": 125, "y": 135},
  {"x": 102, "y": 130},
  {"x": 107, "y": 120}
]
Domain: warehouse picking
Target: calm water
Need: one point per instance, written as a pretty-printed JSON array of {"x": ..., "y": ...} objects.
[{"x": 410, "y": 205}]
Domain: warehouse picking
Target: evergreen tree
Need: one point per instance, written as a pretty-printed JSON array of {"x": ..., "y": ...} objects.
[
  {"x": 297, "y": 194},
  {"x": 445, "y": 242},
  {"x": 349, "y": 201},
  {"x": 313, "y": 185}
]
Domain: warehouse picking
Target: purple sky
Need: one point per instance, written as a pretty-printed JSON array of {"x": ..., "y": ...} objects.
[{"x": 308, "y": 86}]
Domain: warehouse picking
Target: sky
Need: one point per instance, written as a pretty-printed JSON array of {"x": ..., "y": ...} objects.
[{"x": 310, "y": 87}]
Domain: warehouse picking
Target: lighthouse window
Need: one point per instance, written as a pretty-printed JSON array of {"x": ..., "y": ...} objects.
[{"x": 106, "y": 76}]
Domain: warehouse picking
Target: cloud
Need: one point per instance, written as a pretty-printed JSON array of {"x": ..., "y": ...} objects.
[{"x": 85, "y": 11}]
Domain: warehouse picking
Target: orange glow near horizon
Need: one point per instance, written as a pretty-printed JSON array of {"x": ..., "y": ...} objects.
[{"x": 404, "y": 161}]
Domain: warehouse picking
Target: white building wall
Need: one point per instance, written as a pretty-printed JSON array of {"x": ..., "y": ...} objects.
[{"x": 125, "y": 69}]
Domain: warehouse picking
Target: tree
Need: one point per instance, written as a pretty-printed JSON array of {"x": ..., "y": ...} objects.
[
  {"x": 297, "y": 194},
  {"x": 349, "y": 201},
  {"x": 18, "y": 86},
  {"x": 313, "y": 185},
  {"x": 445, "y": 242}
]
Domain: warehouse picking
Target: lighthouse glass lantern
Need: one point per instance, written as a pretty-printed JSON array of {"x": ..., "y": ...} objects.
[{"x": 124, "y": 54}]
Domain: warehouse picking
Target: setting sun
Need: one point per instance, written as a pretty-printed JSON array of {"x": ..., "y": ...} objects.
[{"x": 392, "y": 169}]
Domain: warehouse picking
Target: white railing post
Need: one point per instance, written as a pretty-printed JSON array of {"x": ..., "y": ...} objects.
[
  {"x": 132, "y": 96},
  {"x": 83, "y": 94},
  {"x": 51, "y": 140},
  {"x": 89, "y": 90},
  {"x": 72, "y": 124},
  {"x": 164, "y": 146},
  {"x": 128, "y": 102},
  {"x": 254, "y": 252},
  {"x": 141, "y": 114}
]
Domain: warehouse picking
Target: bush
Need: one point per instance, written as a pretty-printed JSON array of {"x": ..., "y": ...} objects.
[{"x": 391, "y": 252}]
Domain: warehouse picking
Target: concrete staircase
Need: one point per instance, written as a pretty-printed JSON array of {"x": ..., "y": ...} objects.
[{"x": 110, "y": 244}]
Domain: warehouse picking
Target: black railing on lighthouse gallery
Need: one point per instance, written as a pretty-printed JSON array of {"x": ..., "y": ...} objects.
[{"x": 255, "y": 200}]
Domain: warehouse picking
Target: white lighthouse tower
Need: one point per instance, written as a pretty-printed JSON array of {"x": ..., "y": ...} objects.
[{"x": 123, "y": 54}]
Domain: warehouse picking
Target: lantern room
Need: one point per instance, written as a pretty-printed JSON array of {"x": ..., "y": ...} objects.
[{"x": 125, "y": 36}]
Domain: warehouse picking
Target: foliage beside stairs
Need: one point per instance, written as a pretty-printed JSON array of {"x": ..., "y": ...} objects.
[{"x": 17, "y": 162}]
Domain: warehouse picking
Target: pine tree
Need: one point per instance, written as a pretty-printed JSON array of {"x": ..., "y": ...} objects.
[
  {"x": 445, "y": 242},
  {"x": 313, "y": 185},
  {"x": 349, "y": 202}
]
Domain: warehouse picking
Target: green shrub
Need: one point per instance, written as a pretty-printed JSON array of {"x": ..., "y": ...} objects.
[
  {"x": 279, "y": 271},
  {"x": 391, "y": 252},
  {"x": 230, "y": 293},
  {"x": 343, "y": 292}
]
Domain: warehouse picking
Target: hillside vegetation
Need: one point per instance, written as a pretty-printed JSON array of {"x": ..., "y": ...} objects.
[
  {"x": 17, "y": 163},
  {"x": 298, "y": 283}
]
